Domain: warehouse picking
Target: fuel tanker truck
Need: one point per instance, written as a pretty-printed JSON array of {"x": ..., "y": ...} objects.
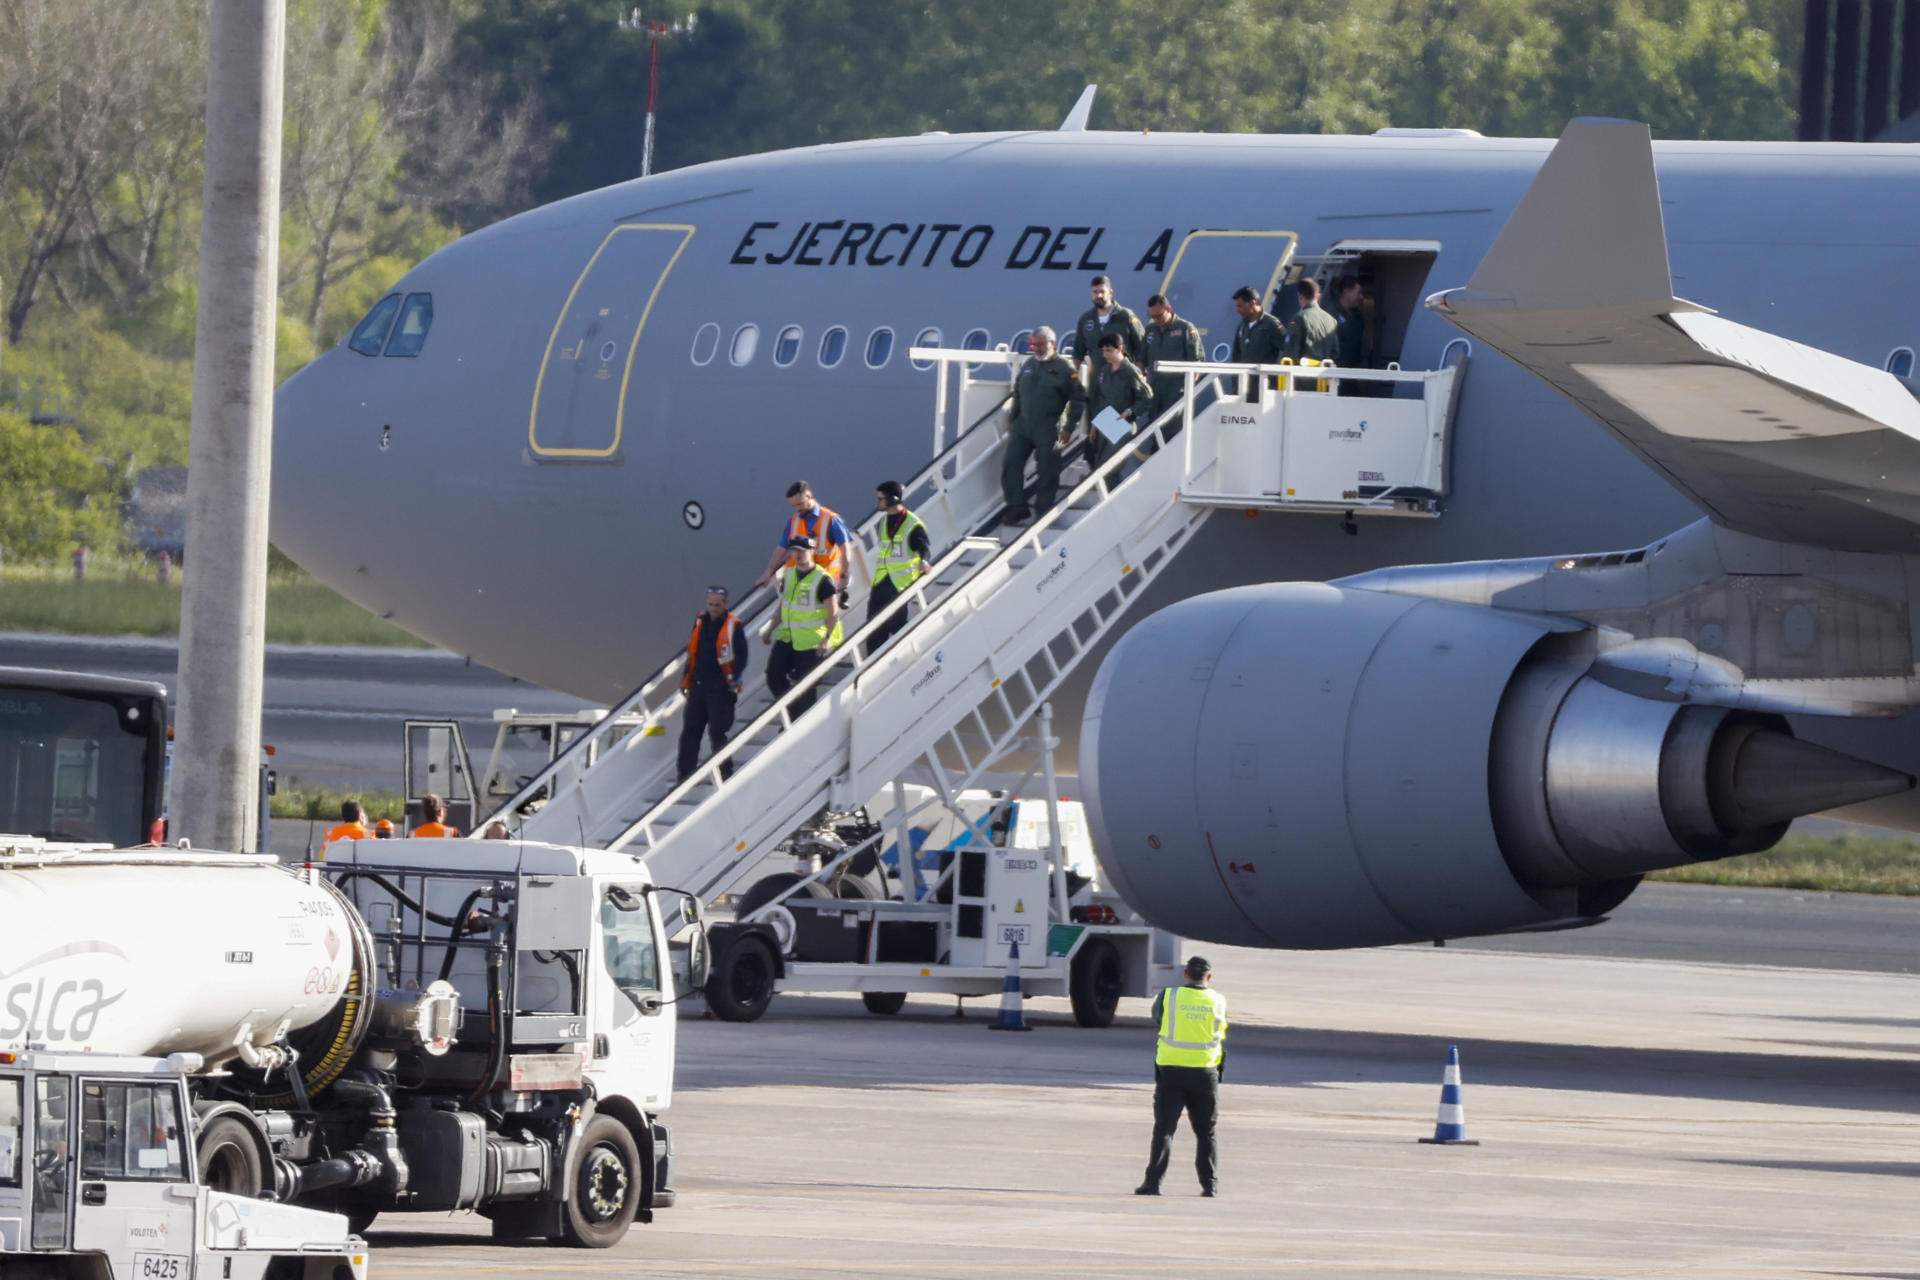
[{"x": 411, "y": 1025}]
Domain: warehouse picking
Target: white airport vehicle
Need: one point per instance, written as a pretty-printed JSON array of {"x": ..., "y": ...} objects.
[
  {"x": 959, "y": 700},
  {"x": 98, "y": 1181},
  {"x": 410, "y": 1025}
]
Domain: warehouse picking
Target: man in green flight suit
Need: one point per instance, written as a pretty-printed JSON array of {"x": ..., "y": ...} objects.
[
  {"x": 1047, "y": 395},
  {"x": 1168, "y": 338},
  {"x": 1312, "y": 334},
  {"x": 1122, "y": 388},
  {"x": 1104, "y": 317},
  {"x": 1256, "y": 339}
]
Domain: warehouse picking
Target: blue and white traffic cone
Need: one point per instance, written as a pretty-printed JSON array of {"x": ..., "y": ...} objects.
[
  {"x": 1013, "y": 1014},
  {"x": 1450, "y": 1130}
]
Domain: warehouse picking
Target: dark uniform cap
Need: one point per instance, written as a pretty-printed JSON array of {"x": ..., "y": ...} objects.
[
  {"x": 797, "y": 543},
  {"x": 1198, "y": 965}
]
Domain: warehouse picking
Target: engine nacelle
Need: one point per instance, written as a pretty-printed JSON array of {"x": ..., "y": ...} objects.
[{"x": 1303, "y": 765}]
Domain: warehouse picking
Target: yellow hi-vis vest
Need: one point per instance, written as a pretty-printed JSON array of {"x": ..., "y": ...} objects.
[
  {"x": 898, "y": 561},
  {"x": 1193, "y": 1027},
  {"x": 803, "y": 619}
]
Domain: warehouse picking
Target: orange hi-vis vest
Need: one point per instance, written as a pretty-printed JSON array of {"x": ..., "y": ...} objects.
[
  {"x": 722, "y": 648},
  {"x": 435, "y": 830},
  {"x": 831, "y": 557}
]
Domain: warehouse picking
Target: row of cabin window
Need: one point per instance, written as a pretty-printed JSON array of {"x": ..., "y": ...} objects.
[
  {"x": 787, "y": 345},
  {"x": 379, "y": 335}
]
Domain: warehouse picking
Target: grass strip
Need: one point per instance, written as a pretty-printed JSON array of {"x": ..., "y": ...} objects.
[
  {"x": 125, "y": 600},
  {"x": 1822, "y": 864},
  {"x": 321, "y": 804}
]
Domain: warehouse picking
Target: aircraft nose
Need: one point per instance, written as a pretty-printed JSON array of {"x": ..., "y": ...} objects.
[{"x": 321, "y": 497}]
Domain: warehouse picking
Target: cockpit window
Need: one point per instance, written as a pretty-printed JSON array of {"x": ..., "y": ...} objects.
[
  {"x": 370, "y": 335},
  {"x": 410, "y": 335}
]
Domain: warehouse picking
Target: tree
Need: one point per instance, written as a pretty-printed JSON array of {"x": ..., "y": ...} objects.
[
  {"x": 384, "y": 132},
  {"x": 54, "y": 491}
]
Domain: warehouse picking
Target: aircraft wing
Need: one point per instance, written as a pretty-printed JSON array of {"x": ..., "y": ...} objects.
[{"x": 1770, "y": 437}]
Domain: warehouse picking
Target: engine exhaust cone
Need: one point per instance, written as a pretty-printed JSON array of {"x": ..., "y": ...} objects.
[{"x": 1776, "y": 777}]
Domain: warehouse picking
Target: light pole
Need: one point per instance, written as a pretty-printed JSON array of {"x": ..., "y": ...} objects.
[{"x": 656, "y": 32}]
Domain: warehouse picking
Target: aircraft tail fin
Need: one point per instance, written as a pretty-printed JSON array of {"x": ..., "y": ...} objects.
[{"x": 1076, "y": 121}]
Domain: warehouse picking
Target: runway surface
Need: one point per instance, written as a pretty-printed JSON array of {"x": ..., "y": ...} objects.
[
  {"x": 1638, "y": 1118},
  {"x": 332, "y": 715}
]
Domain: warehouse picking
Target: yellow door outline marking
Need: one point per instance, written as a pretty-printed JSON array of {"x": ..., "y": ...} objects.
[
  {"x": 1279, "y": 266},
  {"x": 633, "y": 344}
]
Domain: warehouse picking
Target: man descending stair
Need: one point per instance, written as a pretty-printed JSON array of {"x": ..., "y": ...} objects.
[
  {"x": 809, "y": 626},
  {"x": 905, "y": 550},
  {"x": 1047, "y": 395},
  {"x": 832, "y": 542},
  {"x": 716, "y": 664}
]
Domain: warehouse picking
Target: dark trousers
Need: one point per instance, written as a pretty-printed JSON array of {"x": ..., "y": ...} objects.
[
  {"x": 1013, "y": 472},
  {"x": 788, "y": 666},
  {"x": 883, "y": 594},
  {"x": 1196, "y": 1091},
  {"x": 709, "y": 711}
]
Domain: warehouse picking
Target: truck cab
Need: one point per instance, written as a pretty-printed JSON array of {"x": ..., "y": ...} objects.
[{"x": 97, "y": 1181}]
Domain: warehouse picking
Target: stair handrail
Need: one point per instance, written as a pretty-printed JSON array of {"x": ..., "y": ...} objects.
[{"x": 1029, "y": 538}]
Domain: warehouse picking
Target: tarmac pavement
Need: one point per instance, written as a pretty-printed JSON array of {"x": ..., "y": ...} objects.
[{"x": 1638, "y": 1118}]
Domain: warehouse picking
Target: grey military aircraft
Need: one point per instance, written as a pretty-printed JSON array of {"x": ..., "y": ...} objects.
[{"x": 554, "y": 432}]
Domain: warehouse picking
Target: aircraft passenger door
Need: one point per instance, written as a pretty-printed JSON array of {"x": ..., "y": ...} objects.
[
  {"x": 580, "y": 393},
  {"x": 1209, "y": 265}
]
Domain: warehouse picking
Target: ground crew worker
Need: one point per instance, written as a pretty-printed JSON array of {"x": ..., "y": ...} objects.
[
  {"x": 716, "y": 666},
  {"x": 1188, "y": 1061},
  {"x": 826, "y": 529},
  {"x": 1124, "y": 389},
  {"x": 1311, "y": 332},
  {"x": 905, "y": 550},
  {"x": 352, "y": 825},
  {"x": 383, "y": 830},
  {"x": 1104, "y": 317},
  {"x": 1256, "y": 339},
  {"x": 1047, "y": 395},
  {"x": 809, "y": 624},
  {"x": 434, "y": 810},
  {"x": 1168, "y": 338}
]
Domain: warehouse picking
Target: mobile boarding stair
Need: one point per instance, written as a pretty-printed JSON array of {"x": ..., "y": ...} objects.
[{"x": 999, "y": 621}]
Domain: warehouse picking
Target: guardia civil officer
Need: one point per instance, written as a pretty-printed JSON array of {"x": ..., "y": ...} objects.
[
  {"x": 716, "y": 665},
  {"x": 1105, "y": 317},
  {"x": 1168, "y": 338},
  {"x": 905, "y": 550},
  {"x": 809, "y": 625},
  {"x": 1188, "y": 1060},
  {"x": 1047, "y": 395},
  {"x": 1124, "y": 389}
]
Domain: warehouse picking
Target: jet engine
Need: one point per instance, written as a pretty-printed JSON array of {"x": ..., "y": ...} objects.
[{"x": 1304, "y": 765}]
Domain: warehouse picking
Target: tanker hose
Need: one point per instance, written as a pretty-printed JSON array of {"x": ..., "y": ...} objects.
[
  {"x": 496, "y": 1023},
  {"x": 453, "y": 949}
]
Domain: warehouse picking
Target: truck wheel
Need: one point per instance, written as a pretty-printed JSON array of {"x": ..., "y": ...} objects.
[
  {"x": 884, "y": 1003},
  {"x": 606, "y": 1186},
  {"x": 741, "y": 985},
  {"x": 228, "y": 1159},
  {"x": 1095, "y": 983}
]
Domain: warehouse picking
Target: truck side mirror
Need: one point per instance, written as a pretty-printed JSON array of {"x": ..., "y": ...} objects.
[{"x": 699, "y": 957}]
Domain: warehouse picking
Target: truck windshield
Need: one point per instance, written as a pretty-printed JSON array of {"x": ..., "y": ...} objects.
[
  {"x": 79, "y": 766},
  {"x": 10, "y": 1131}
]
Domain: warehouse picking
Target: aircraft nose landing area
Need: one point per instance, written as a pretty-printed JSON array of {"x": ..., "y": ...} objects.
[{"x": 1637, "y": 1117}]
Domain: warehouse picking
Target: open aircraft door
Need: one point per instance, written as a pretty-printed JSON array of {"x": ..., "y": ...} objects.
[
  {"x": 1209, "y": 265},
  {"x": 588, "y": 376}
]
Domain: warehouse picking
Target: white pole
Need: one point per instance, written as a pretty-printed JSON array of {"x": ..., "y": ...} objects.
[
  {"x": 224, "y": 605},
  {"x": 1047, "y": 743}
]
